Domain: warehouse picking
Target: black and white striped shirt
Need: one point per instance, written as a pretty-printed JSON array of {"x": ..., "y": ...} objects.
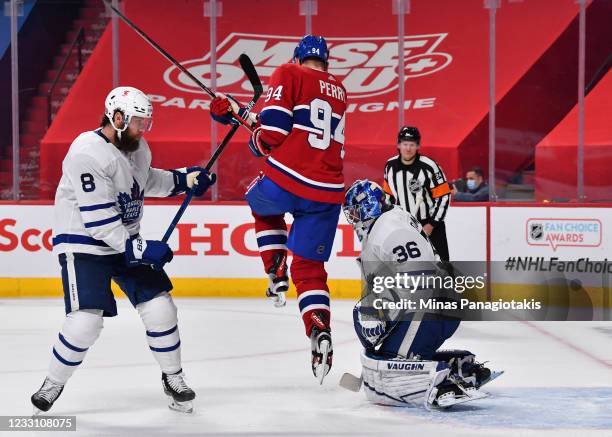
[{"x": 419, "y": 188}]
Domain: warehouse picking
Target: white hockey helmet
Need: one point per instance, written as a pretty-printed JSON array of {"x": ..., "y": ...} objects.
[{"x": 132, "y": 103}]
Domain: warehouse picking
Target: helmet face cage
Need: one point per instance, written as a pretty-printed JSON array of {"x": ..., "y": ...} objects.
[
  {"x": 409, "y": 133},
  {"x": 363, "y": 202},
  {"x": 131, "y": 102},
  {"x": 311, "y": 46}
]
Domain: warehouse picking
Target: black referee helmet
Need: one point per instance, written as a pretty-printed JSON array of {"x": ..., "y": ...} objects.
[{"x": 409, "y": 133}]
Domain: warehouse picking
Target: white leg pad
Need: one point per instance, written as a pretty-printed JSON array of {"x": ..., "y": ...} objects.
[
  {"x": 159, "y": 316},
  {"x": 398, "y": 382},
  {"x": 80, "y": 331}
]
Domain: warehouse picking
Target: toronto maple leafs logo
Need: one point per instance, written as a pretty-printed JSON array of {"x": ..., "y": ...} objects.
[{"x": 131, "y": 204}]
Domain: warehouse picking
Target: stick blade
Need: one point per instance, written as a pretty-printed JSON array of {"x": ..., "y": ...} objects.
[
  {"x": 350, "y": 382},
  {"x": 249, "y": 69}
]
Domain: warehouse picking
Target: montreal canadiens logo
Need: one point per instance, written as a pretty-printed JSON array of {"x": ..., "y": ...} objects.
[{"x": 367, "y": 66}]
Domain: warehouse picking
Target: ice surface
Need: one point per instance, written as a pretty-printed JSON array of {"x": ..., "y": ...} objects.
[{"x": 249, "y": 365}]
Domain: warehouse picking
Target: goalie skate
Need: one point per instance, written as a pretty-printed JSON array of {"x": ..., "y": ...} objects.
[
  {"x": 178, "y": 392},
  {"x": 279, "y": 281},
  {"x": 453, "y": 392},
  {"x": 493, "y": 376}
]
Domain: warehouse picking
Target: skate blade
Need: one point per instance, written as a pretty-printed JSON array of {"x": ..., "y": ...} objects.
[
  {"x": 181, "y": 407},
  {"x": 323, "y": 368},
  {"x": 456, "y": 400},
  {"x": 278, "y": 299},
  {"x": 350, "y": 382},
  {"x": 494, "y": 376}
]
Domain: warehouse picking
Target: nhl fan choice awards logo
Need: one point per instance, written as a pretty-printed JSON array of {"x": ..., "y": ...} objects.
[
  {"x": 131, "y": 204},
  {"x": 367, "y": 66},
  {"x": 555, "y": 232}
]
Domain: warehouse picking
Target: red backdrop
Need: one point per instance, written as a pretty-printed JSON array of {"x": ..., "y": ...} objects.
[{"x": 446, "y": 66}]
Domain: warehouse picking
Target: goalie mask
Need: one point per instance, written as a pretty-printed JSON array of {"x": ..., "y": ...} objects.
[
  {"x": 363, "y": 202},
  {"x": 135, "y": 106}
]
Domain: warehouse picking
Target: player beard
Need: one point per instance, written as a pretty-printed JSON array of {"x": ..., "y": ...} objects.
[{"x": 128, "y": 143}]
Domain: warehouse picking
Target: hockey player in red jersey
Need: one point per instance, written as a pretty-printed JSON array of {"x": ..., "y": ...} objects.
[{"x": 300, "y": 133}]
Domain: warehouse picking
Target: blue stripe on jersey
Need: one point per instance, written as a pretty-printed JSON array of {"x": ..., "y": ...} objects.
[
  {"x": 163, "y": 333},
  {"x": 103, "y": 222},
  {"x": 165, "y": 349},
  {"x": 315, "y": 299},
  {"x": 78, "y": 239},
  {"x": 302, "y": 116},
  {"x": 276, "y": 118},
  {"x": 303, "y": 182},
  {"x": 64, "y": 361},
  {"x": 271, "y": 239},
  {"x": 69, "y": 346},
  {"x": 96, "y": 207}
]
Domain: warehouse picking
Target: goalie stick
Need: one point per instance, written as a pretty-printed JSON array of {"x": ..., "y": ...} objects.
[
  {"x": 242, "y": 120},
  {"x": 351, "y": 382},
  {"x": 251, "y": 73}
]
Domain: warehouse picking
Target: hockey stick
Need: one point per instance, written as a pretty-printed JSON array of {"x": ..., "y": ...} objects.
[
  {"x": 251, "y": 73},
  {"x": 242, "y": 120},
  {"x": 351, "y": 382}
]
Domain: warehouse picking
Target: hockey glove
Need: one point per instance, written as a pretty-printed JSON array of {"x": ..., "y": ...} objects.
[
  {"x": 196, "y": 178},
  {"x": 147, "y": 252},
  {"x": 222, "y": 107},
  {"x": 200, "y": 181},
  {"x": 258, "y": 147}
]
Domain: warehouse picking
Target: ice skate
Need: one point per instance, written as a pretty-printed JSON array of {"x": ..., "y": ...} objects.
[
  {"x": 321, "y": 346},
  {"x": 453, "y": 392},
  {"x": 46, "y": 395},
  {"x": 181, "y": 396},
  {"x": 279, "y": 281}
]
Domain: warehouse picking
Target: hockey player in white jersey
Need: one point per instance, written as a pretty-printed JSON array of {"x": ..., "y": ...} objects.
[
  {"x": 98, "y": 207},
  {"x": 401, "y": 363}
]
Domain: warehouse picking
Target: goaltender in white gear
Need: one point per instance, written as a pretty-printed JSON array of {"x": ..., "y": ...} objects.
[{"x": 401, "y": 363}]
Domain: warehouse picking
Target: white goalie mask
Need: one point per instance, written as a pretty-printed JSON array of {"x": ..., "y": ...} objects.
[{"x": 135, "y": 106}]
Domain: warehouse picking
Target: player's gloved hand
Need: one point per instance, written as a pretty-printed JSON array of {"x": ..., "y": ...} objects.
[
  {"x": 222, "y": 109},
  {"x": 199, "y": 181},
  {"x": 258, "y": 147},
  {"x": 192, "y": 177},
  {"x": 147, "y": 252}
]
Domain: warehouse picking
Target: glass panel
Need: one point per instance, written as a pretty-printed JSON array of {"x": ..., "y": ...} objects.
[
  {"x": 269, "y": 42},
  {"x": 57, "y": 107},
  {"x": 536, "y": 87},
  {"x": 27, "y": 130},
  {"x": 598, "y": 104}
]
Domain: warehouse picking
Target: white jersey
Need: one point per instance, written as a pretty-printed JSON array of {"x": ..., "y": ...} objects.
[
  {"x": 98, "y": 203},
  {"x": 396, "y": 243}
]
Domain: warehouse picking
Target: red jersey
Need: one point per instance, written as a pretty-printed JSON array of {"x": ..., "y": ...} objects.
[{"x": 303, "y": 122}]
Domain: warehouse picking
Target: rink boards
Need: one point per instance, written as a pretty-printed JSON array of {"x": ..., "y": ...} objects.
[{"x": 216, "y": 253}]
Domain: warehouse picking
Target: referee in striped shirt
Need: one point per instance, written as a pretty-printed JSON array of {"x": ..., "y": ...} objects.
[{"x": 418, "y": 185}]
